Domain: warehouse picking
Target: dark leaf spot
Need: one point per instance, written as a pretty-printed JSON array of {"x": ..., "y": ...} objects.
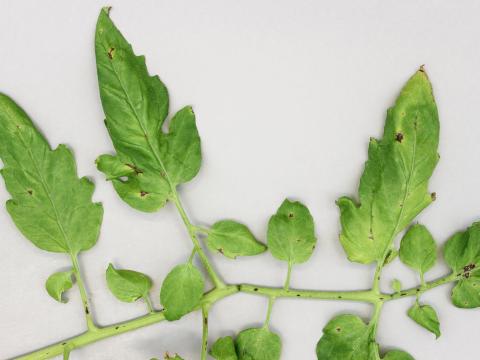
[
  {"x": 143, "y": 193},
  {"x": 110, "y": 53},
  {"x": 433, "y": 195},
  {"x": 399, "y": 137}
]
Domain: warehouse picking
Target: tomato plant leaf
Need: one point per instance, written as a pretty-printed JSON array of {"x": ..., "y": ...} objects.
[
  {"x": 233, "y": 239},
  {"x": 127, "y": 285},
  {"x": 425, "y": 316},
  {"x": 258, "y": 344},
  {"x": 291, "y": 233},
  {"x": 224, "y": 349},
  {"x": 348, "y": 337},
  {"x": 58, "y": 283},
  {"x": 148, "y": 162},
  {"x": 394, "y": 185},
  {"x": 418, "y": 249},
  {"x": 462, "y": 254},
  {"x": 181, "y": 291},
  {"x": 50, "y": 205}
]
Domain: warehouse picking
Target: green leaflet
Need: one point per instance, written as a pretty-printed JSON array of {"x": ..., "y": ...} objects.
[
  {"x": 348, "y": 337},
  {"x": 394, "y": 186},
  {"x": 462, "y": 254},
  {"x": 181, "y": 291},
  {"x": 224, "y": 349},
  {"x": 258, "y": 344},
  {"x": 425, "y": 316},
  {"x": 50, "y": 205},
  {"x": 233, "y": 239},
  {"x": 291, "y": 233},
  {"x": 396, "y": 285},
  {"x": 148, "y": 163},
  {"x": 58, "y": 283},
  {"x": 418, "y": 249},
  {"x": 398, "y": 355},
  {"x": 127, "y": 285}
]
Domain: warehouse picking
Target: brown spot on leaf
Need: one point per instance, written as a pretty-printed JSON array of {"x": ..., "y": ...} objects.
[
  {"x": 290, "y": 215},
  {"x": 110, "y": 53},
  {"x": 399, "y": 137},
  {"x": 433, "y": 195},
  {"x": 30, "y": 192},
  {"x": 338, "y": 329},
  {"x": 134, "y": 168},
  {"x": 143, "y": 193}
]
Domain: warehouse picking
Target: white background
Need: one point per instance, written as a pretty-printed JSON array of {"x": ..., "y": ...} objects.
[{"x": 287, "y": 94}]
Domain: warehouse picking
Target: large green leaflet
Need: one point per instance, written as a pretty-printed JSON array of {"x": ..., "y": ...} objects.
[
  {"x": 224, "y": 349},
  {"x": 347, "y": 337},
  {"x": 50, "y": 205},
  {"x": 394, "y": 186},
  {"x": 149, "y": 162},
  {"x": 181, "y": 291},
  {"x": 258, "y": 344},
  {"x": 233, "y": 239},
  {"x": 418, "y": 249},
  {"x": 462, "y": 254},
  {"x": 291, "y": 233},
  {"x": 127, "y": 285}
]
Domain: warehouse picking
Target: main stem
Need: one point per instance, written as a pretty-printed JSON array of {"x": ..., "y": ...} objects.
[
  {"x": 83, "y": 293},
  {"x": 217, "y": 282}
]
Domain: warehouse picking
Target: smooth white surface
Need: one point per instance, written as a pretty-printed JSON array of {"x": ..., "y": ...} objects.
[{"x": 287, "y": 94}]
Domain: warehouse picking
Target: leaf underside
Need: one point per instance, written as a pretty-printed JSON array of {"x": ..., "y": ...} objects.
[
  {"x": 425, "y": 316},
  {"x": 148, "y": 163},
  {"x": 394, "y": 185},
  {"x": 58, "y": 283},
  {"x": 418, "y": 249},
  {"x": 50, "y": 205}
]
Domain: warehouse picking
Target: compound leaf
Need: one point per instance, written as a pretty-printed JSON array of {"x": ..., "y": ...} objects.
[
  {"x": 233, "y": 239},
  {"x": 148, "y": 162},
  {"x": 425, "y": 316},
  {"x": 127, "y": 285},
  {"x": 50, "y": 205},
  {"x": 394, "y": 186},
  {"x": 58, "y": 283},
  {"x": 224, "y": 349},
  {"x": 348, "y": 337},
  {"x": 291, "y": 233},
  {"x": 462, "y": 254},
  {"x": 258, "y": 344},
  {"x": 418, "y": 249},
  {"x": 181, "y": 291}
]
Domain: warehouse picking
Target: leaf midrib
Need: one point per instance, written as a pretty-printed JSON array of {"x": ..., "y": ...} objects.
[
  {"x": 47, "y": 191},
  {"x": 147, "y": 137}
]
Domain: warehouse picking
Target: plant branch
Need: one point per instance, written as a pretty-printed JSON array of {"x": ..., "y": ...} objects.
[
  {"x": 218, "y": 283},
  {"x": 101, "y": 333},
  {"x": 83, "y": 293},
  {"x": 204, "y": 331}
]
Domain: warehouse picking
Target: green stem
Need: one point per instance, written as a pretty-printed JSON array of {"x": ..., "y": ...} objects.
[
  {"x": 362, "y": 296},
  {"x": 377, "y": 276},
  {"x": 204, "y": 331},
  {"x": 271, "y": 300},
  {"x": 218, "y": 283},
  {"x": 289, "y": 274},
  {"x": 83, "y": 293},
  {"x": 92, "y": 336},
  {"x": 148, "y": 301},
  {"x": 376, "y": 316},
  {"x": 416, "y": 291}
]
